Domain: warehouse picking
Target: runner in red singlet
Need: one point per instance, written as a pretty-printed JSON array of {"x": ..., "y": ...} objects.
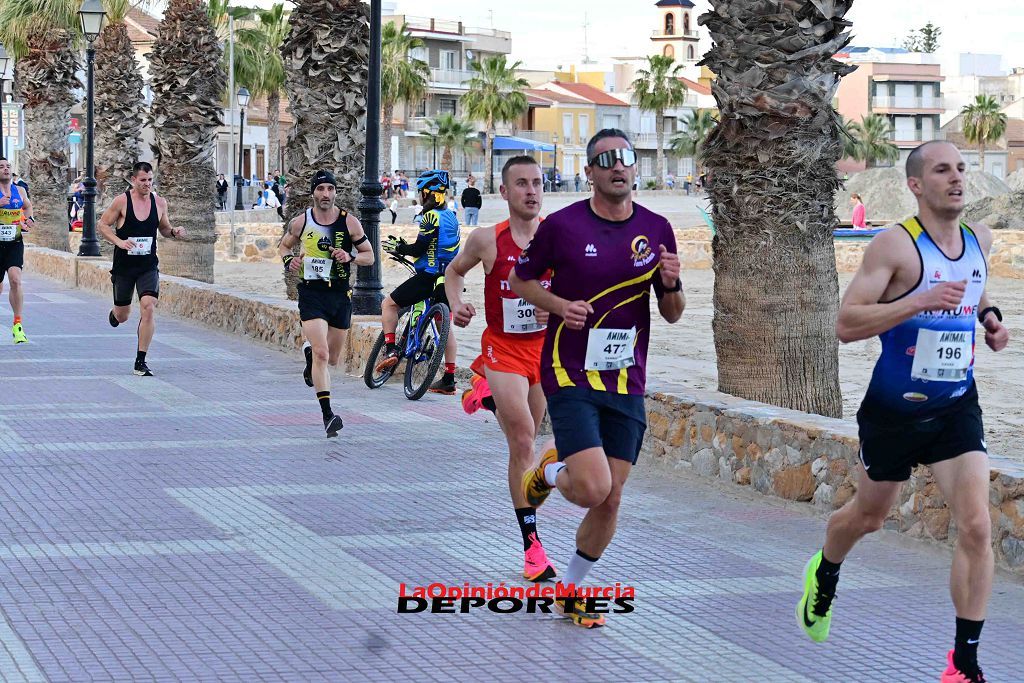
[{"x": 507, "y": 376}]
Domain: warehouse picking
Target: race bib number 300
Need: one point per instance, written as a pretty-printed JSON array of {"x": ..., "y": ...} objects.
[
  {"x": 942, "y": 355},
  {"x": 520, "y": 316},
  {"x": 609, "y": 349},
  {"x": 316, "y": 268},
  {"x": 8, "y": 232},
  {"x": 143, "y": 246}
]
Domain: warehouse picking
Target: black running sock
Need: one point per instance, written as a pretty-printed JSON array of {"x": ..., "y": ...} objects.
[
  {"x": 113, "y": 320},
  {"x": 828, "y": 576},
  {"x": 488, "y": 403},
  {"x": 965, "y": 647},
  {"x": 140, "y": 357},
  {"x": 527, "y": 525},
  {"x": 325, "y": 404}
]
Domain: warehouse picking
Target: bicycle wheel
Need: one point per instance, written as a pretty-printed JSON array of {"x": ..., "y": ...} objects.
[
  {"x": 374, "y": 379},
  {"x": 421, "y": 368}
]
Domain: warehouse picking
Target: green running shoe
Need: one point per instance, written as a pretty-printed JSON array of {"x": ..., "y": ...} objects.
[
  {"x": 19, "y": 334},
  {"x": 814, "y": 625}
]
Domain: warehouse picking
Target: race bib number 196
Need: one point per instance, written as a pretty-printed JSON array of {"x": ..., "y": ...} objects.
[
  {"x": 942, "y": 355},
  {"x": 316, "y": 268},
  {"x": 520, "y": 316},
  {"x": 609, "y": 349}
]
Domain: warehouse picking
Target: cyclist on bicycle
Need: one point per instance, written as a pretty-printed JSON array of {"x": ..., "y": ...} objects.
[{"x": 434, "y": 248}]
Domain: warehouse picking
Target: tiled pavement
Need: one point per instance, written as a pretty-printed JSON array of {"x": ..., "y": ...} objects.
[{"x": 197, "y": 526}]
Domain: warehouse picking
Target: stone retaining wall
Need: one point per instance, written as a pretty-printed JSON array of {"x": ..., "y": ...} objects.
[{"x": 778, "y": 452}]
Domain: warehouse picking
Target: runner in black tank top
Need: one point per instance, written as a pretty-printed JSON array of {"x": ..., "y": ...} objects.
[{"x": 135, "y": 268}]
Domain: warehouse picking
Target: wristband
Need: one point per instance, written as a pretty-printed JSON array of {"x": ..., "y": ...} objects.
[
  {"x": 678, "y": 287},
  {"x": 287, "y": 260},
  {"x": 990, "y": 309}
]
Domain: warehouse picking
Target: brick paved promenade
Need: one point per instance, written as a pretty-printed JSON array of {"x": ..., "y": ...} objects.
[{"x": 198, "y": 526}]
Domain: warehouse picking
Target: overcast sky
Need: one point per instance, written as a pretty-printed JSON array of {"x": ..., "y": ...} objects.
[{"x": 547, "y": 33}]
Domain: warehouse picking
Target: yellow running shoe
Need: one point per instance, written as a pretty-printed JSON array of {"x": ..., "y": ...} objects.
[
  {"x": 19, "y": 334},
  {"x": 578, "y": 614},
  {"x": 535, "y": 488},
  {"x": 814, "y": 611}
]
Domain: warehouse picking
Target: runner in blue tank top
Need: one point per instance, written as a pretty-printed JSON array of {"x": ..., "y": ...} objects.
[{"x": 921, "y": 288}]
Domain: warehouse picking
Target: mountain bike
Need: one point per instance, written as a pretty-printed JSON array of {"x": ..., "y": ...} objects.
[{"x": 424, "y": 334}]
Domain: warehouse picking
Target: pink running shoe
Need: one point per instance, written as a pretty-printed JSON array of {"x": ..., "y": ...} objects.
[
  {"x": 954, "y": 675},
  {"x": 474, "y": 397},
  {"x": 537, "y": 567}
]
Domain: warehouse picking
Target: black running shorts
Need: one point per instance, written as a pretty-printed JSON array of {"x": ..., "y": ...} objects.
[
  {"x": 583, "y": 418},
  {"x": 331, "y": 304},
  {"x": 417, "y": 288},
  {"x": 12, "y": 255},
  {"x": 145, "y": 284},
  {"x": 890, "y": 448}
]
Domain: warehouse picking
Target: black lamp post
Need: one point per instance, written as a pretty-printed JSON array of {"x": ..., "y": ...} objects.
[
  {"x": 367, "y": 296},
  {"x": 243, "y": 102},
  {"x": 93, "y": 17},
  {"x": 554, "y": 164},
  {"x": 4, "y": 59}
]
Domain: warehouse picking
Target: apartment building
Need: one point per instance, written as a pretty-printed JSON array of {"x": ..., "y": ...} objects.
[{"x": 905, "y": 87}]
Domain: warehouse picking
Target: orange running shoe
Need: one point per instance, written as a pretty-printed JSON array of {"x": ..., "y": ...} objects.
[
  {"x": 473, "y": 398},
  {"x": 535, "y": 488},
  {"x": 578, "y": 614},
  {"x": 537, "y": 568}
]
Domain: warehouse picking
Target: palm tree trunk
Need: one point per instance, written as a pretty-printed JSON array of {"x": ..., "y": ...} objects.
[
  {"x": 274, "y": 129},
  {"x": 772, "y": 185},
  {"x": 119, "y": 107},
  {"x": 46, "y": 76},
  {"x": 489, "y": 157},
  {"x": 385, "y": 137},
  {"x": 659, "y": 160},
  {"x": 981, "y": 155},
  {"x": 446, "y": 158}
]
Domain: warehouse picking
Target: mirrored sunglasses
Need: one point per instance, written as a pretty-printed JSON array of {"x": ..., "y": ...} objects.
[{"x": 608, "y": 159}]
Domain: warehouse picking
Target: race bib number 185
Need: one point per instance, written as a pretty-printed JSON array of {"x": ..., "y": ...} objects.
[{"x": 316, "y": 268}]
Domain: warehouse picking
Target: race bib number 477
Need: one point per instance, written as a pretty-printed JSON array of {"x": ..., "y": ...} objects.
[{"x": 610, "y": 349}]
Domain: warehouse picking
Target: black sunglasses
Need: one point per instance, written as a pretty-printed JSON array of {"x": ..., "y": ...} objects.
[{"x": 608, "y": 159}]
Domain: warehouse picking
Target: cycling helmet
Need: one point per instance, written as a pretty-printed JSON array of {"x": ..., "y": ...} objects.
[
  {"x": 432, "y": 187},
  {"x": 435, "y": 181}
]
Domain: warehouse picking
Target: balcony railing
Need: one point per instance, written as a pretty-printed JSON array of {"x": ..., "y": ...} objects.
[
  {"x": 904, "y": 102},
  {"x": 916, "y": 136},
  {"x": 434, "y": 25},
  {"x": 451, "y": 77},
  {"x": 493, "y": 32},
  {"x": 657, "y": 33},
  {"x": 417, "y": 124}
]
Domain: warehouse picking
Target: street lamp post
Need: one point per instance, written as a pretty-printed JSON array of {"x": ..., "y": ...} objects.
[
  {"x": 367, "y": 296},
  {"x": 554, "y": 163},
  {"x": 3, "y": 77},
  {"x": 93, "y": 17},
  {"x": 243, "y": 101}
]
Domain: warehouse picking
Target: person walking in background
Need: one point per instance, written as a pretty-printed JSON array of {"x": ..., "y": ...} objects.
[
  {"x": 393, "y": 208},
  {"x": 859, "y": 212},
  {"x": 222, "y": 192},
  {"x": 471, "y": 202},
  {"x": 385, "y": 183},
  {"x": 577, "y": 181}
]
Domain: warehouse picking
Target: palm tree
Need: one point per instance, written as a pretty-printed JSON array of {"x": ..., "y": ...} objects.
[
  {"x": 771, "y": 162},
  {"x": 690, "y": 141},
  {"x": 870, "y": 141},
  {"x": 188, "y": 83},
  {"x": 450, "y": 133},
  {"x": 258, "y": 49},
  {"x": 658, "y": 88},
  {"x": 495, "y": 96},
  {"x": 402, "y": 79},
  {"x": 41, "y": 36},
  {"x": 119, "y": 106},
  {"x": 326, "y": 57},
  {"x": 983, "y": 123}
]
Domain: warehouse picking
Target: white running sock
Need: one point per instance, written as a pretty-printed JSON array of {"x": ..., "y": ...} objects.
[
  {"x": 579, "y": 566},
  {"x": 551, "y": 471}
]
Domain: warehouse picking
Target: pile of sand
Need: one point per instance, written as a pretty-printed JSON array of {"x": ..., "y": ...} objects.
[
  {"x": 1004, "y": 212},
  {"x": 886, "y": 196},
  {"x": 1015, "y": 181}
]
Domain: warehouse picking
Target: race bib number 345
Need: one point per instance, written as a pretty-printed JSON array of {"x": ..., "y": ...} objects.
[
  {"x": 942, "y": 355},
  {"x": 520, "y": 316},
  {"x": 610, "y": 349}
]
